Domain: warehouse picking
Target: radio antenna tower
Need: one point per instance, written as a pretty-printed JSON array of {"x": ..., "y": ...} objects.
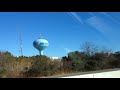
[{"x": 21, "y": 45}]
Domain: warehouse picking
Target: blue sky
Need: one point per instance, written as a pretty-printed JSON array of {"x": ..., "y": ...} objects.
[{"x": 65, "y": 31}]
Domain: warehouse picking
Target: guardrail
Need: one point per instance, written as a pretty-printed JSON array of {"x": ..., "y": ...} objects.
[{"x": 111, "y": 73}]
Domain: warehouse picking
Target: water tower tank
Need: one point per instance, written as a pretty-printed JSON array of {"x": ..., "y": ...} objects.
[{"x": 40, "y": 44}]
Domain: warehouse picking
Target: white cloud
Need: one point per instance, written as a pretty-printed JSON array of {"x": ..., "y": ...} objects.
[
  {"x": 99, "y": 24},
  {"x": 110, "y": 17},
  {"x": 67, "y": 50}
]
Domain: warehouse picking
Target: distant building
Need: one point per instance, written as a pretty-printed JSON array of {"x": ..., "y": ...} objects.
[{"x": 54, "y": 58}]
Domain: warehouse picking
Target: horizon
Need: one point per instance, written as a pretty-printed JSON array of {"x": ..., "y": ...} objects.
[{"x": 65, "y": 31}]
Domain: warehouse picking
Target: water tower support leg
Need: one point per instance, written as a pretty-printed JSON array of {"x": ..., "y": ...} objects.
[{"x": 41, "y": 52}]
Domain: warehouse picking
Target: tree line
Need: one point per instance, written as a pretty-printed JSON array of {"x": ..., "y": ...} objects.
[{"x": 90, "y": 57}]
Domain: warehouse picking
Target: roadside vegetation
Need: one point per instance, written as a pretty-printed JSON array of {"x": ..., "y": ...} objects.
[{"x": 89, "y": 57}]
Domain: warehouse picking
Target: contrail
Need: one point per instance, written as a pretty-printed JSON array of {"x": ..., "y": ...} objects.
[
  {"x": 91, "y": 14},
  {"x": 76, "y": 17},
  {"x": 72, "y": 17},
  {"x": 110, "y": 17},
  {"x": 93, "y": 21},
  {"x": 99, "y": 25}
]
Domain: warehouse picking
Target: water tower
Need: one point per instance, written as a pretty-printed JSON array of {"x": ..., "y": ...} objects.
[{"x": 40, "y": 44}]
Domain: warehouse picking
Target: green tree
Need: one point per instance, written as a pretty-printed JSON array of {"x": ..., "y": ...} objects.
[{"x": 42, "y": 66}]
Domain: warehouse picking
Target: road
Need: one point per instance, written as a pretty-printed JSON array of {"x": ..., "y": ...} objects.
[{"x": 108, "y": 74}]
